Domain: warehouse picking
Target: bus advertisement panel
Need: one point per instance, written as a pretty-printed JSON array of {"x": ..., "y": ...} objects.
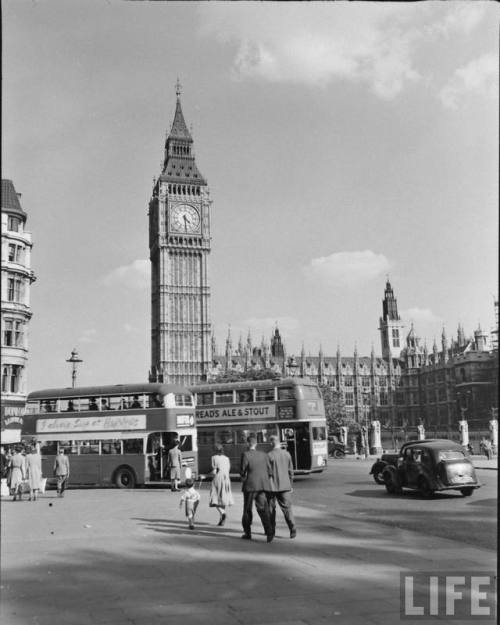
[
  {"x": 117, "y": 434},
  {"x": 292, "y": 408}
]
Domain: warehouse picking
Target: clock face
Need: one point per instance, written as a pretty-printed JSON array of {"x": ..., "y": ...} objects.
[{"x": 185, "y": 218}]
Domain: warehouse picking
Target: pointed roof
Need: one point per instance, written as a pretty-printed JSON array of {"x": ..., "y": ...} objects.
[
  {"x": 10, "y": 199},
  {"x": 179, "y": 129}
]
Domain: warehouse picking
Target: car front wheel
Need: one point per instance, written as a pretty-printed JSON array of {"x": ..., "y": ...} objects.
[{"x": 391, "y": 481}]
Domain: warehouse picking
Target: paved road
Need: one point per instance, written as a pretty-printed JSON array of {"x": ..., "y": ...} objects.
[{"x": 128, "y": 558}]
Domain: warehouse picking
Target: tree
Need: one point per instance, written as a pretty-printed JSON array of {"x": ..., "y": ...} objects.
[
  {"x": 336, "y": 414},
  {"x": 250, "y": 374}
]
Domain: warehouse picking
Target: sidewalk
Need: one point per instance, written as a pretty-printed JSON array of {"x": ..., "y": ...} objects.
[{"x": 128, "y": 558}]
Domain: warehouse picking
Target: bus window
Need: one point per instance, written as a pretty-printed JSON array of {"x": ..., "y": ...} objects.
[
  {"x": 83, "y": 404},
  {"x": 225, "y": 437},
  {"x": 66, "y": 405},
  {"x": 206, "y": 437},
  {"x": 186, "y": 443},
  {"x": 136, "y": 401},
  {"x": 224, "y": 397},
  {"x": 111, "y": 447},
  {"x": 89, "y": 447},
  {"x": 48, "y": 406},
  {"x": 69, "y": 447},
  {"x": 183, "y": 400},
  {"x": 205, "y": 399},
  {"x": 106, "y": 404},
  {"x": 241, "y": 436},
  {"x": 264, "y": 394},
  {"x": 33, "y": 407},
  {"x": 263, "y": 435},
  {"x": 133, "y": 446},
  {"x": 286, "y": 393},
  {"x": 319, "y": 434},
  {"x": 155, "y": 400},
  {"x": 48, "y": 448},
  {"x": 244, "y": 397},
  {"x": 93, "y": 405}
]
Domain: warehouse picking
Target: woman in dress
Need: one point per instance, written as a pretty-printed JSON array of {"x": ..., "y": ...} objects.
[
  {"x": 34, "y": 472},
  {"x": 17, "y": 474},
  {"x": 220, "y": 490}
]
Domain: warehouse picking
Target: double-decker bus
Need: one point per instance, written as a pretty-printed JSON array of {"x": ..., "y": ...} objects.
[
  {"x": 292, "y": 408},
  {"x": 117, "y": 434}
]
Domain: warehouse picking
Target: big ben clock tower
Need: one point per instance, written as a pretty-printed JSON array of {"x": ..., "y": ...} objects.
[{"x": 179, "y": 245}]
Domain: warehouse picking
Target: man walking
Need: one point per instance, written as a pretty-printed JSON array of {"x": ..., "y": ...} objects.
[
  {"x": 281, "y": 483},
  {"x": 175, "y": 463},
  {"x": 255, "y": 471},
  {"x": 61, "y": 471}
]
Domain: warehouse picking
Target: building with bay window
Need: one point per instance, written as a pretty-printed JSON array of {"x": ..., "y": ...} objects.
[{"x": 17, "y": 277}]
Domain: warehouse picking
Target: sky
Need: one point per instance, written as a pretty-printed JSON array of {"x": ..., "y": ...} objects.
[{"x": 342, "y": 143}]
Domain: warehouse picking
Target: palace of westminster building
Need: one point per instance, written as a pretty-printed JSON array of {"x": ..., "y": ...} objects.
[{"x": 406, "y": 386}]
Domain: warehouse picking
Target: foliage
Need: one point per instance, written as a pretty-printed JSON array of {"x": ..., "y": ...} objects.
[
  {"x": 251, "y": 374},
  {"x": 335, "y": 411}
]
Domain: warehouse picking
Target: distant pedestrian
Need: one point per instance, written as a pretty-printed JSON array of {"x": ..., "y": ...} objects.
[
  {"x": 485, "y": 447},
  {"x": 61, "y": 471},
  {"x": 281, "y": 484},
  {"x": 17, "y": 474},
  {"x": 175, "y": 464},
  {"x": 256, "y": 486},
  {"x": 191, "y": 498},
  {"x": 34, "y": 472},
  {"x": 220, "y": 489}
]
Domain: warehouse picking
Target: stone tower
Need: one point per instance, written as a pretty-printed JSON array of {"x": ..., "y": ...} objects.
[
  {"x": 17, "y": 277},
  {"x": 391, "y": 326},
  {"x": 179, "y": 245}
]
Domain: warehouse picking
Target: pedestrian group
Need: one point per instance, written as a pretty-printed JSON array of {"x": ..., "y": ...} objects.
[{"x": 266, "y": 481}]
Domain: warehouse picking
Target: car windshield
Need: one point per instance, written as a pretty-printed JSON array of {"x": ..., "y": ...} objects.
[{"x": 451, "y": 454}]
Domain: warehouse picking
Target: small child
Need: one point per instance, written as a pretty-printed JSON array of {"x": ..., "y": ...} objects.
[{"x": 191, "y": 497}]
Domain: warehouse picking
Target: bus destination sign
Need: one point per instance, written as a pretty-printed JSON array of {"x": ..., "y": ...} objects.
[
  {"x": 92, "y": 424},
  {"x": 245, "y": 413}
]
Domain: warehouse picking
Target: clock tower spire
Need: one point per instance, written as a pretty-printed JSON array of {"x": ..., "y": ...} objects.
[{"x": 179, "y": 245}]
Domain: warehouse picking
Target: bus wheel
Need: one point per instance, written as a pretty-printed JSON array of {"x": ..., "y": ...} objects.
[{"x": 125, "y": 478}]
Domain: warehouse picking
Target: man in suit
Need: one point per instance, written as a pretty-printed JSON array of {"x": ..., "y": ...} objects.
[
  {"x": 255, "y": 470},
  {"x": 61, "y": 471},
  {"x": 281, "y": 482}
]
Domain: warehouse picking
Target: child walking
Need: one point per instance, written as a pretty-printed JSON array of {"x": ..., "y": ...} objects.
[{"x": 191, "y": 498}]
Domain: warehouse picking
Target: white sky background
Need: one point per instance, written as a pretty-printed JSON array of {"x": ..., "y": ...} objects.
[{"x": 341, "y": 142}]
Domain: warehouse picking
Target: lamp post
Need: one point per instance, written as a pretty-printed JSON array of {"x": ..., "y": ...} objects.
[{"x": 75, "y": 361}]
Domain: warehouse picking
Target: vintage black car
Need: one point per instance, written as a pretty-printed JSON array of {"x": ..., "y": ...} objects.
[{"x": 428, "y": 466}]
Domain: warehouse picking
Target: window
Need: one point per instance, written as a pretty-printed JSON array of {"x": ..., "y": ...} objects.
[
  {"x": 264, "y": 394},
  {"x": 348, "y": 380},
  {"x": 349, "y": 399},
  {"x": 89, "y": 447},
  {"x": 224, "y": 397},
  {"x": 285, "y": 393},
  {"x": 244, "y": 397},
  {"x": 16, "y": 253},
  {"x": 14, "y": 224},
  {"x": 319, "y": 434},
  {"x": 204, "y": 399},
  {"x": 48, "y": 448},
  {"x": 11, "y": 378},
  {"x": 183, "y": 399},
  {"x": 111, "y": 447},
  {"x": 382, "y": 380},
  {"x": 15, "y": 290},
  {"x": 383, "y": 398},
  {"x": 365, "y": 381},
  {"x": 395, "y": 337},
  {"x": 133, "y": 446},
  {"x": 8, "y": 333},
  {"x": 206, "y": 437}
]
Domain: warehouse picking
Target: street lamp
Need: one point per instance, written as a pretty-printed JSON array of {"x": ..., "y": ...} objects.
[{"x": 74, "y": 360}]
